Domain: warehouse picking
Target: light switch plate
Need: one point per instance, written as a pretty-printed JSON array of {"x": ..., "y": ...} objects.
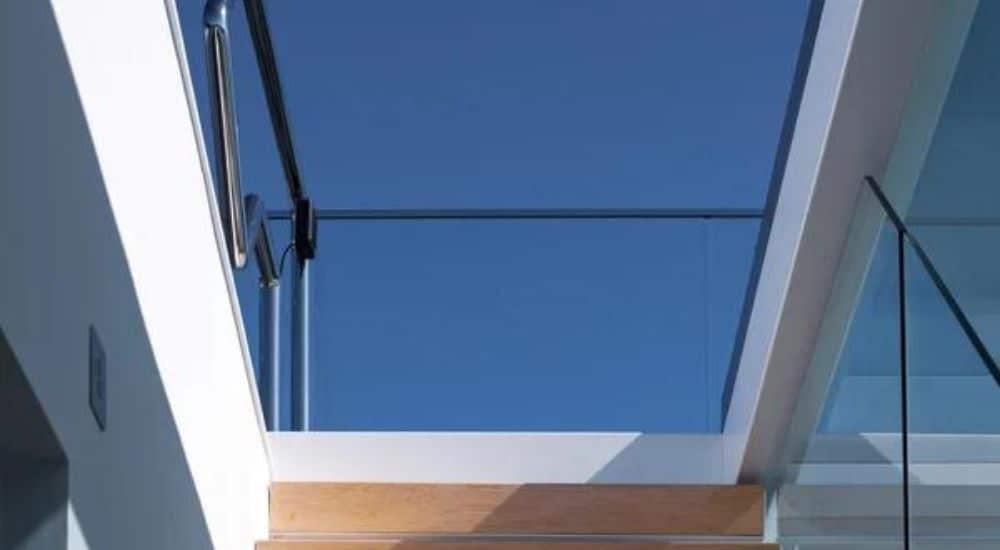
[{"x": 98, "y": 380}]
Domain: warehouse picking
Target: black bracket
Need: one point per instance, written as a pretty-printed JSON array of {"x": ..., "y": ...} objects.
[{"x": 304, "y": 220}]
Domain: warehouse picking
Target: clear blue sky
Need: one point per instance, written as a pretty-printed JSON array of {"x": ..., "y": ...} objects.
[{"x": 562, "y": 325}]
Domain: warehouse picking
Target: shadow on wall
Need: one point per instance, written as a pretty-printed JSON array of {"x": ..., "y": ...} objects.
[
  {"x": 665, "y": 458},
  {"x": 130, "y": 486},
  {"x": 34, "y": 488}
]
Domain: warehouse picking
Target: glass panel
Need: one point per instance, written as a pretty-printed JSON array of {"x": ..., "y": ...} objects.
[
  {"x": 954, "y": 423},
  {"x": 841, "y": 486},
  {"x": 954, "y": 403},
  {"x": 957, "y": 181},
  {"x": 954, "y": 207},
  {"x": 557, "y": 325},
  {"x": 852, "y": 481},
  {"x": 730, "y": 247},
  {"x": 971, "y": 277}
]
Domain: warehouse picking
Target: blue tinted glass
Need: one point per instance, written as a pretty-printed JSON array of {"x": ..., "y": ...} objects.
[
  {"x": 951, "y": 390},
  {"x": 445, "y": 104},
  {"x": 956, "y": 183},
  {"x": 729, "y": 253},
  {"x": 841, "y": 480},
  {"x": 954, "y": 209},
  {"x": 864, "y": 395},
  {"x": 523, "y": 325}
]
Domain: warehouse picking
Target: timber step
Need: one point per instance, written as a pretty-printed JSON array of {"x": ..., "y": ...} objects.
[
  {"x": 488, "y": 509},
  {"x": 456, "y": 545}
]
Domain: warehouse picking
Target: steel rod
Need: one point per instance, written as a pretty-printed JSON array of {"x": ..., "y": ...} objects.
[
  {"x": 513, "y": 214},
  {"x": 300, "y": 346}
]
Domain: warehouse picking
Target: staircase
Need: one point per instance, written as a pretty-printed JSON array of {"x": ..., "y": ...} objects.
[{"x": 384, "y": 516}]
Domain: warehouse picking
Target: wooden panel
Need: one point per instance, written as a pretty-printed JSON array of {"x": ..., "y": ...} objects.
[
  {"x": 415, "y": 545},
  {"x": 459, "y": 508}
]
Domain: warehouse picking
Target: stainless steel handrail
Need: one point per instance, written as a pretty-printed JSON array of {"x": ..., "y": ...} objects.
[
  {"x": 227, "y": 154},
  {"x": 236, "y": 211},
  {"x": 234, "y": 207}
]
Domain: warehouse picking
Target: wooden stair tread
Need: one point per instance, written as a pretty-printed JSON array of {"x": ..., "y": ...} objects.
[{"x": 378, "y": 508}]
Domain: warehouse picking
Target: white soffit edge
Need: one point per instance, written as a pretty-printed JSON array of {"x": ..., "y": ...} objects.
[{"x": 864, "y": 61}]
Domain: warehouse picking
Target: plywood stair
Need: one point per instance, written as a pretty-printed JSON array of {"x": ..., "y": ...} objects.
[{"x": 392, "y": 516}]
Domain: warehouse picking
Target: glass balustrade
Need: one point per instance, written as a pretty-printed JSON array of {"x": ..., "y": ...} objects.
[{"x": 896, "y": 437}]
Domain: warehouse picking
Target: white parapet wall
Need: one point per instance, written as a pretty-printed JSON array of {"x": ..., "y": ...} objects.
[
  {"x": 106, "y": 222},
  {"x": 498, "y": 457}
]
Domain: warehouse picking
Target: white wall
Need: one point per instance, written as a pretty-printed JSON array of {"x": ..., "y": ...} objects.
[
  {"x": 866, "y": 56},
  {"x": 497, "y": 457},
  {"x": 105, "y": 221}
]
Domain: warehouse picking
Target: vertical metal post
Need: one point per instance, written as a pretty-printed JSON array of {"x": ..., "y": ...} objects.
[
  {"x": 270, "y": 357},
  {"x": 903, "y": 389},
  {"x": 300, "y": 346}
]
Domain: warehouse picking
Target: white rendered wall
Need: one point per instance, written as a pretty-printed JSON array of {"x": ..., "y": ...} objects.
[
  {"x": 105, "y": 220},
  {"x": 497, "y": 457}
]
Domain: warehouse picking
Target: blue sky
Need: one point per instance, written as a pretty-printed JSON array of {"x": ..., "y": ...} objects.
[{"x": 488, "y": 325}]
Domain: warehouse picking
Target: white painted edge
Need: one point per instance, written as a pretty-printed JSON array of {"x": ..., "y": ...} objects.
[
  {"x": 497, "y": 457},
  {"x": 923, "y": 109},
  {"x": 220, "y": 239},
  {"x": 123, "y": 57},
  {"x": 866, "y": 57},
  {"x": 830, "y": 52}
]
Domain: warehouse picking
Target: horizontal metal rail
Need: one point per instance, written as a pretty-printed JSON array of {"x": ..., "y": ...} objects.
[{"x": 527, "y": 214}]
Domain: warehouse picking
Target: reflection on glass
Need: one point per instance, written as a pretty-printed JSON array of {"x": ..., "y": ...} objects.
[
  {"x": 954, "y": 430},
  {"x": 841, "y": 481}
]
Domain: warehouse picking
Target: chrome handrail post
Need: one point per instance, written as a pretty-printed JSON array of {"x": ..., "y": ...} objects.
[{"x": 300, "y": 345}]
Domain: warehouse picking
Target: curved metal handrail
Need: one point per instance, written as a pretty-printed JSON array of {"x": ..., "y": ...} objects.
[
  {"x": 241, "y": 214},
  {"x": 227, "y": 155},
  {"x": 233, "y": 210}
]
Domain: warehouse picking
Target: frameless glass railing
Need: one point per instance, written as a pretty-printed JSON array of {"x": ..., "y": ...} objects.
[
  {"x": 524, "y": 320},
  {"x": 528, "y": 321},
  {"x": 587, "y": 318},
  {"x": 896, "y": 440}
]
